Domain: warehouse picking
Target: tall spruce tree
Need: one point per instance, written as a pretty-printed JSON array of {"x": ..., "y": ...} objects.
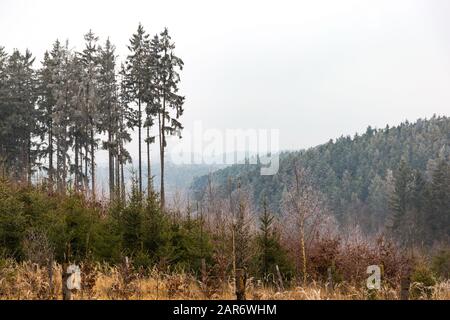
[
  {"x": 109, "y": 105},
  {"x": 90, "y": 63},
  {"x": 3, "y": 112},
  {"x": 19, "y": 116},
  {"x": 171, "y": 107},
  {"x": 126, "y": 120},
  {"x": 79, "y": 137},
  {"x": 136, "y": 84},
  {"x": 64, "y": 89},
  {"x": 46, "y": 106},
  {"x": 153, "y": 101}
]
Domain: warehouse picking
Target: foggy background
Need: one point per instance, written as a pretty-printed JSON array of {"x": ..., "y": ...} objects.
[{"x": 315, "y": 70}]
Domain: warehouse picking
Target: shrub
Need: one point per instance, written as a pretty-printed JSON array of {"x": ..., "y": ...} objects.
[
  {"x": 441, "y": 264},
  {"x": 422, "y": 281}
]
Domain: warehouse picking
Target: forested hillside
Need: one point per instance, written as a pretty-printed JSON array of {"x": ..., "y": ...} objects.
[{"x": 374, "y": 180}]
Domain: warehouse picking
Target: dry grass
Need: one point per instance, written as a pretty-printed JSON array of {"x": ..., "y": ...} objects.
[{"x": 30, "y": 281}]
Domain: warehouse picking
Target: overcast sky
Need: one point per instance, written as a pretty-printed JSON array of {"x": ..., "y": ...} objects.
[{"x": 313, "y": 69}]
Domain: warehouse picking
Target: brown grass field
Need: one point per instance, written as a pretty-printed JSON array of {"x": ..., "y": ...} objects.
[{"x": 27, "y": 281}]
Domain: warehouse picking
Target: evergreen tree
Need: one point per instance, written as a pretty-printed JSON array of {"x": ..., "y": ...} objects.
[
  {"x": 19, "y": 116},
  {"x": 241, "y": 233},
  {"x": 46, "y": 107},
  {"x": 270, "y": 251},
  {"x": 79, "y": 136},
  {"x": 439, "y": 217},
  {"x": 126, "y": 120},
  {"x": 378, "y": 202},
  {"x": 136, "y": 84},
  {"x": 90, "y": 63},
  {"x": 131, "y": 221},
  {"x": 265, "y": 238},
  {"x": 156, "y": 231},
  {"x": 63, "y": 91},
  {"x": 399, "y": 201},
  {"x": 153, "y": 100},
  {"x": 109, "y": 109},
  {"x": 3, "y": 112},
  {"x": 171, "y": 107}
]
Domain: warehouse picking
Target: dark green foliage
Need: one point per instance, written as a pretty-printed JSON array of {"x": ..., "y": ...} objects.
[
  {"x": 166, "y": 86},
  {"x": 78, "y": 229},
  {"x": 131, "y": 223},
  {"x": 439, "y": 200},
  {"x": 270, "y": 252},
  {"x": 12, "y": 222},
  {"x": 420, "y": 209},
  {"x": 18, "y": 150},
  {"x": 156, "y": 229},
  {"x": 359, "y": 175},
  {"x": 135, "y": 83},
  {"x": 441, "y": 264},
  {"x": 422, "y": 280},
  {"x": 401, "y": 198},
  {"x": 190, "y": 244}
]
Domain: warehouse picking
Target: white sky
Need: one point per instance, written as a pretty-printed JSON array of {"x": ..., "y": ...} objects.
[{"x": 313, "y": 69}]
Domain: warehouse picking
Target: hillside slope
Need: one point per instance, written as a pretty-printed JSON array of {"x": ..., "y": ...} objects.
[{"x": 354, "y": 173}]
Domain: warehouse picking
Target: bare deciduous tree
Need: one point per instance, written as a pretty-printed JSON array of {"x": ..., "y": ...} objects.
[{"x": 304, "y": 210}]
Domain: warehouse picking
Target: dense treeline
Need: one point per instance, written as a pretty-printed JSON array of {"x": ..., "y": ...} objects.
[
  {"x": 210, "y": 241},
  {"x": 72, "y": 227},
  {"x": 53, "y": 119},
  {"x": 395, "y": 180},
  {"x": 39, "y": 226}
]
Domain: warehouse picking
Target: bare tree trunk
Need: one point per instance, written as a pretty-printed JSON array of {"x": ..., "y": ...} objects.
[
  {"x": 149, "y": 169},
  {"x": 111, "y": 168},
  {"x": 233, "y": 240},
  {"x": 240, "y": 284},
  {"x": 405, "y": 283},
  {"x": 93, "y": 163},
  {"x": 58, "y": 166},
  {"x": 330, "y": 282},
  {"x": 29, "y": 172},
  {"x": 77, "y": 175},
  {"x": 64, "y": 162},
  {"x": 66, "y": 292},
  {"x": 122, "y": 186},
  {"x": 203, "y": 271},
  {"x": 86, "y": 182},
  {"x": 303, "y": 251},
  {"x": 404, "y": 288},
  {"x": 280, "y": 279},
  {"x": 117, "y": 179},
  {"x": 162, "y": 141},
  {"x": 301, "y": 217},
  {"x": 50, "y": 277},
  {"x": 80, "y": 172},
  {"x": 140, "y": 146},
  {"x": 50, "y": 154}
]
